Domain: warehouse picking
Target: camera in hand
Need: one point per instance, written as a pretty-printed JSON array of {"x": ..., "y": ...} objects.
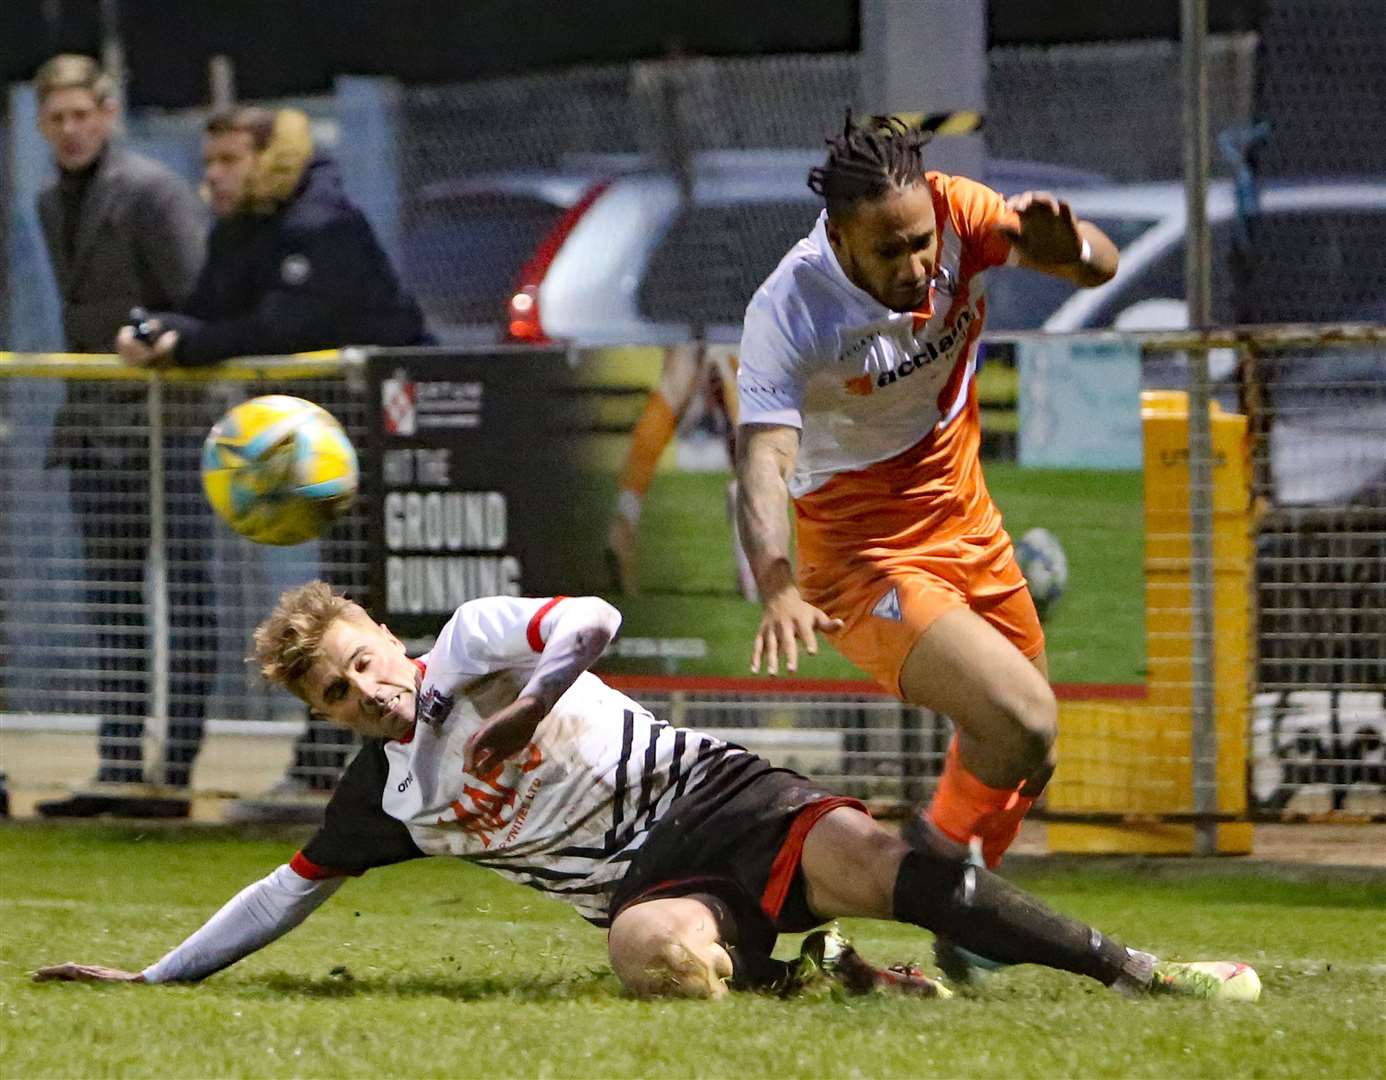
[{"x": 146, "y": 330}]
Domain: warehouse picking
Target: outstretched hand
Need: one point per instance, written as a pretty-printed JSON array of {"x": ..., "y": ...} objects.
[
  {"x": 1046, "y": 231},
  {"x": 787, "y": 622},
  {"x": 504, "y": 735},
  {"x": 74, "y": 972}
]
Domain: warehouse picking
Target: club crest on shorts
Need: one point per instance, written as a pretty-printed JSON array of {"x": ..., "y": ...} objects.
[{"x": 888, "y": 606}]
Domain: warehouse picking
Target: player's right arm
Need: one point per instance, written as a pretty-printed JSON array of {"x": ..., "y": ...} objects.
[
  {"x": 357, "y": 835},
  {"x": 554, "y": 640},
  {"x": 764, "y": 459},
  {"x": 770, "y": 388},
  {"x": 250, "y": 920}
]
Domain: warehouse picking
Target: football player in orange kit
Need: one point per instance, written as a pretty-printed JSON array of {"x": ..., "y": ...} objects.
[{"x": 858, "y": 400}]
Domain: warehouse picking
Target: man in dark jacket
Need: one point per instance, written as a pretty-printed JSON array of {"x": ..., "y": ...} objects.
[
  {"x": 122, "y": 231},
  {"x": 293, "y": 265}
]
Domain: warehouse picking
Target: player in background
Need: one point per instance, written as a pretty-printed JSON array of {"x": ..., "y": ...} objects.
[
  {"x": 858, "y": 401},
  {"x": 686, "y": 370},
  {"x": 501, "y": 748}
]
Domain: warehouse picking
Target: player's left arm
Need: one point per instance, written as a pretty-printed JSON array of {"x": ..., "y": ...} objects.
[
  {"x": 1046, "y": 235},
  {"x": 569, "y": 634}
]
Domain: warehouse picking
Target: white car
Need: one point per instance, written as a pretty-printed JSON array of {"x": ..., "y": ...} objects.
[
  {"x": 1323, "y": 262},
  {"x": 608, "y": 250},
  {"x": 1323, "y": 232}
]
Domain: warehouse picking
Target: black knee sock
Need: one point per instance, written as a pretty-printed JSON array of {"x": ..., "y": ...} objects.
[
  {"x": 756, "y": 971},
  {"x": 1036, "y": 782},
  {"x": 993, "y": 918}
]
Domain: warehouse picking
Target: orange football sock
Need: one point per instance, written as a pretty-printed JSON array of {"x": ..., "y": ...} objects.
[
  {"x": 652, "y": 433},
  {"x": 999, "y": 830},
  {"x": 964, "y": 807}
]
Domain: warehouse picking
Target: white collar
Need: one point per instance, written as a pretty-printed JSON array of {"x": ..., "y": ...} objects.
[{"x": 879, "y": 318}]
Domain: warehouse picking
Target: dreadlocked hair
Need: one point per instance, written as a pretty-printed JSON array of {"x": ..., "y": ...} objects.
[
  {"x": 866, "y": 161},
  {"x": 289, "y": 641}
]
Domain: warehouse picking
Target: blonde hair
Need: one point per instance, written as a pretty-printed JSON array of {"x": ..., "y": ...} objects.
[
  {"x": 69, "y": 71},
  {"x": 289, "y": 642}
]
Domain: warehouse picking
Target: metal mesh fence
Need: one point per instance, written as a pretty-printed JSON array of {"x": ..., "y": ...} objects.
[
  {"x": 1111, "y": 109},
  {"x": 1320, "y": 71},
  {"x": 1298, "y": 578},
  {"x": 82, "y": 584},
  {"x": 701, "y": 164},
  {"x": 650, "y": 200},
  {"x": 1319, "y": 476},
  {"x": 1178, "y": 751},
  {"x": 868, "y": 746},
  {"x": 80, "y": 595},
  {"x": 1298, "y": 568},
  {"x": 488, "y": 171},
  {"x": 691, "y": 173}
]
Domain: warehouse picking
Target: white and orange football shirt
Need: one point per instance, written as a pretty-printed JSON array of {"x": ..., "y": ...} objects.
[
  {"x": 863, "y": 382},
  {"x": 887, "y": 483}
]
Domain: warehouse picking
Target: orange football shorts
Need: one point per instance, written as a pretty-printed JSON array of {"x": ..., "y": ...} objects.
[{"x": 887, "y": 601}]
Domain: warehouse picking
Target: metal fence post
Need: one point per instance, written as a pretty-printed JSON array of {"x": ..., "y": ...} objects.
[
  {"x": 1198, "y": 289},
  {"x": 156, "y": 724}
]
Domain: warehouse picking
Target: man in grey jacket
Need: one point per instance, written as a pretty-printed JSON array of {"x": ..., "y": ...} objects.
[{"x": 123, "y": 231}]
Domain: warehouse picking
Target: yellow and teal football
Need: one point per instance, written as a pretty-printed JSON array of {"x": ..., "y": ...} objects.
[{"x": 279, "y": 469}]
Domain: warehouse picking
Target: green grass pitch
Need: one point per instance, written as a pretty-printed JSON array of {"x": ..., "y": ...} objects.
[{"x": 439, "y": 969}]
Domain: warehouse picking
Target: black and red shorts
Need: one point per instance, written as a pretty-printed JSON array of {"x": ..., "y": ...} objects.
[{"x": 738, "y": 836}]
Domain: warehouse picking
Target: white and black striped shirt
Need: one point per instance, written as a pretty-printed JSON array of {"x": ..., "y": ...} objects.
[{"x": 564, "y": 816}]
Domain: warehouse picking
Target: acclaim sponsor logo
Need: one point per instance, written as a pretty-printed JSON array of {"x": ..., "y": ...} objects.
[{"x": 946, "y": 347}]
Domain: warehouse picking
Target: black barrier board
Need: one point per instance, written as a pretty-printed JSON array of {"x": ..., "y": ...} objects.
[
  {"x": 477, "y": 485},
  {"x": 497, "y": 472}
]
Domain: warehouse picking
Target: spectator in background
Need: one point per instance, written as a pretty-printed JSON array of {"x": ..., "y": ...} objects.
[
  {"x": 122, "y": 231},
  {"x": 293, "y": 265}
]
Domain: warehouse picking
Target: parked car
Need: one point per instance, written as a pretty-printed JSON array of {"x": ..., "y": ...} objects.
[
  {"x": 1318, "y": 259},
  {"x": 607, "y": 250},
  {"x": 1324, "y": 264}
]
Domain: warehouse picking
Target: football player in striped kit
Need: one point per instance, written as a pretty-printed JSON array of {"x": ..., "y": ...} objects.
[{"x": 501, "y": 747}]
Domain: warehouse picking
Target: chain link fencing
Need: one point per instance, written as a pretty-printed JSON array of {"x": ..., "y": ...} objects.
[
  {"x": 653, "y": 198},
  {"x": 103, "y": 625},
  {"x": 1318, "y": 440},
  {"x": 1299, "y": 569}
]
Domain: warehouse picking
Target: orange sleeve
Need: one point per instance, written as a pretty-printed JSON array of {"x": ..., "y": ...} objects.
[{"x": 977, "y": 212}]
